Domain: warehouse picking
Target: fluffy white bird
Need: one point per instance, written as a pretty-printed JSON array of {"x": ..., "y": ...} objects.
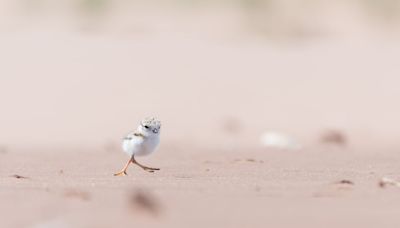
[{"x": 141, "y": 142}]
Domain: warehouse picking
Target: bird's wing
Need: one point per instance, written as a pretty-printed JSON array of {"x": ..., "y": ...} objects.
[
  {"x": 132, "y": 142},
  {"x": 137, "y": 136}
]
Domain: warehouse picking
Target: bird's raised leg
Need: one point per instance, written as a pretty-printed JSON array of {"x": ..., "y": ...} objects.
[
  {"x": 123, "y": 171},
  {"x": 149, "y": 169}
]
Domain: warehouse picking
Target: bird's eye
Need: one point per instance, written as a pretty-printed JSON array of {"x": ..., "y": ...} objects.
[{"x": 145, "y": 126}]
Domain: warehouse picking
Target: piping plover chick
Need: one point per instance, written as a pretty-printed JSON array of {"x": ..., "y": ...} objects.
[{"x": 141, "y": 142}]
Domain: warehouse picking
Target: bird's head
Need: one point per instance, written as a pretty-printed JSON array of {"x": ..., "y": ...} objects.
[{"x": 150, "y": 126}]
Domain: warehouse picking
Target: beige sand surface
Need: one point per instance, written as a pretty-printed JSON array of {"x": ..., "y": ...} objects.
[
  {"x": 200, "y": 188},
  {"x": 72, "y": 120}
]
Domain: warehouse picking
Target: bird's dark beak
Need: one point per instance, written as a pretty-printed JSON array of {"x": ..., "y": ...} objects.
[{"x": 155, "y": 131}]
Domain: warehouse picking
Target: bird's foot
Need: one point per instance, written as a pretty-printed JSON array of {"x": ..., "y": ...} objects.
[
  {"x": 121, "y": 174},
  {"x": 151, "y": 170}
]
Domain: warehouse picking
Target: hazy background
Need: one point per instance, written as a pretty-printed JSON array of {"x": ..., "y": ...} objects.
[{"x": 84, "y": 72}]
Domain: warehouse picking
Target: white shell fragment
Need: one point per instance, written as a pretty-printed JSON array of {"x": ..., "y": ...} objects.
[
  {"x": 279, "y": 141},
  {"x": 385, "y": 181}
]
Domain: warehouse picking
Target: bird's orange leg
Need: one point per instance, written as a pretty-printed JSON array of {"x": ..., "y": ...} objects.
[
  {"x": 149, "y": 169},
  {"x": 123, "y": 171}
]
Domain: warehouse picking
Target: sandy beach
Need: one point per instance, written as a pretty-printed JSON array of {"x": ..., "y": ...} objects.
[
  {"x": 220, "y": 79},
  {"x": 200, "y": 188}
]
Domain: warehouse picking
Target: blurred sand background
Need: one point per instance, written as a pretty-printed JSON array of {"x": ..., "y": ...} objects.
[{"x": 75, "y": 76}]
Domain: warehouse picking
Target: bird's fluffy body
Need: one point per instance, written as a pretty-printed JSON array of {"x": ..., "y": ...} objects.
[{"x": 144, "y": 140}]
